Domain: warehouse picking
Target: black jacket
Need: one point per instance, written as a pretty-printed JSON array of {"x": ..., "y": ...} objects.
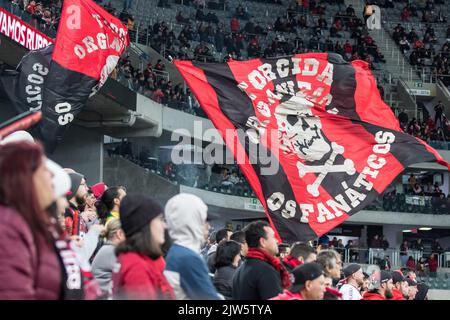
[
  {"x": 256, "y": 280},
  {"x": 223, "y": 281}
]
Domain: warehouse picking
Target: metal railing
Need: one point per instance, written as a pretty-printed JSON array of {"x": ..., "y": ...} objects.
[
  {"x": 375, "y": 256},
  {"x": 412, "y": 97}
]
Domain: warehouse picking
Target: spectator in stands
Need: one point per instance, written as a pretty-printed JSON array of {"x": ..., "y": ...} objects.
[
  {"x": 406, "y": 13},
  {"x": 211, "y": 240},
  {"x": 300, "y": 253},
  {"x": 75, "y": 224},
  {"x": 411, "y": 263},
  {"x": 186, "y": 271},
  {"x": 283, "y": 251},
  {"x": 241, "y": 12},
  {"x": 140, "y": 256},
  {"x": 401, "y": 288},
  {"x": 221, "y": 235},
  {"x": 417, "y": 190},
  {"x": 421, "y": 266},
  {"x": 30, "y": 265},
  {"x": 227, "y": 259},
  {"x": 234, "y": 25},
  {"x": 105, "y": 259},
  {"x": 385, "y": 263},
  {"x": 375, "y": 242},
  {"x": 381, "y": 286},
  {"x": 439, "y": 110},
  {"x": 384, "y": 243},
  {"x": 437, "y": 248},
  {"x": 419, "y": 245},
  {"x": 433, "y": 265},
  {"x": 349, "y": 247},
  {"x": 404, "y": 252},
  {"x": 412, "y": 36},
  {"x": 239, "y": 237},
  {"x": 181, "y": 19},
  {"x": 404, "y": 45},
  {"x": 331, "y": 262},
  {"x": 261, "y": 276},
  {"x": 366, "y": 284},
  {"x": 412, "y": 181},
  {"x": 109, "y": 203},
  {"x": 354, "y": 279},
  {"x": 308, "y": 284}
]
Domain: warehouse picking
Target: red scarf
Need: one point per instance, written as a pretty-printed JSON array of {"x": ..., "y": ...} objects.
[
  {"x": 293, "y": 262},
  {"x": 262, "y": 255}
]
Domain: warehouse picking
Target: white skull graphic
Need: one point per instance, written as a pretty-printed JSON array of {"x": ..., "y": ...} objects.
[
  {"x": 110, "y": 64},
  {"x": 299, "y": 131}
]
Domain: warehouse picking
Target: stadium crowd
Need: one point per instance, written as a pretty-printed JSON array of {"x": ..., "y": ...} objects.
[{"x": 63, "y": 239}]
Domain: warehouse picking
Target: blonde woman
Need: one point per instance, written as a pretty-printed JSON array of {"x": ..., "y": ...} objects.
[{"x": 105, "y": 259}]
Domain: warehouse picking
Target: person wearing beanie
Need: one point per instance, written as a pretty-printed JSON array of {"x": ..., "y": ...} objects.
[
  {"x": 186, "y": 270},
  {"x": 381, "y": 286},
  {"x": 139, "y": 273},
  {"x": 401, "y": 287},
  {"x": 354, "y": 279},
  {"x": 308, "y": 283},
  {"x": 74, "y": 224},
  {"x": 98, "y": 189}
]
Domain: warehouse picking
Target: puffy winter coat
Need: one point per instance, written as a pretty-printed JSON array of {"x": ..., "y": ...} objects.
[{"x": 28, "y": 269}]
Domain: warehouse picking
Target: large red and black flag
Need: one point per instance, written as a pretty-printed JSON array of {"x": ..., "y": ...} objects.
[
  {"x": 321, "y": 121},
  {"x": 88, "y": 45},
  {"x": 25, "y": 85}
]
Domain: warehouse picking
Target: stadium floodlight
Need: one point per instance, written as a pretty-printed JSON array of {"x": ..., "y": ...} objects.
[{"x": 425, "y": 229}]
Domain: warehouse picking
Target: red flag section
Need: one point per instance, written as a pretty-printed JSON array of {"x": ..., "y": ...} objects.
[
  {"x": 337, "y": 145},
  {"x": 88, "y": 46},
  {"x": 89, "y": 39}
]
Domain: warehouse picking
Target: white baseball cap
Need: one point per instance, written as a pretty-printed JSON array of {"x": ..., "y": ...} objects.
[{"x": 60, "y": 180}]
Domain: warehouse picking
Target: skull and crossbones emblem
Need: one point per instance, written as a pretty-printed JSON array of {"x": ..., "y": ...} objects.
[{"x": 299, "y": 132}]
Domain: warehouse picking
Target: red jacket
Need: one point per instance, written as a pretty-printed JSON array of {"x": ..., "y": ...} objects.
[
  {"x": 234, "y": 25},
  {"x": 397, "y": 295},
  {"x": 25, "y": 272},
  {"x": 288, "y": 295},
  {"x": 432, "y": 265},
  {"x": 141, "y": 278},
  {"x": 373, "y": 296}
]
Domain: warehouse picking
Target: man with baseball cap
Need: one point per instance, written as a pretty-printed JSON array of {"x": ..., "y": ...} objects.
[
  {"x": 308, "y": 283},
  {"x": 401, "y": 287},
  {"x": 354, "y": 279},
  {"x": 380, "y": 287}
]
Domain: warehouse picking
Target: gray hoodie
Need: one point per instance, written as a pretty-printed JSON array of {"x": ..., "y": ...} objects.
[
  {"x": 186, "y": 270},
  {"x": 186, "y": 216}
]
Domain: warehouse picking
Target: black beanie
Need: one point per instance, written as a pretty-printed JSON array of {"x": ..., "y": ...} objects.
[
  {"x": 136, "y": 211},
  {"x": 75, "y": 179}
]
